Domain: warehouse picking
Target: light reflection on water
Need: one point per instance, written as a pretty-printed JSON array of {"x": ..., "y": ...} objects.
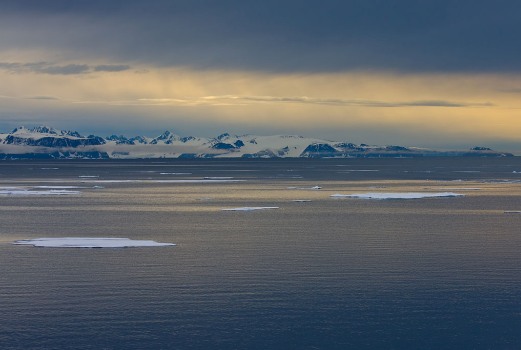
[{"x": 328, "y": 274}]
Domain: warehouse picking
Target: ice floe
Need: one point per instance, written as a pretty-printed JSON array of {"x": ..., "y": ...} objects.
[
  {"x": 87, "y": 242},
  {"x": 175, "y": 173},
  {"x": 249, "y": 208},
  {"x": 26, "y": 192},
  {"x": 304, "y": 188},
  {"x": 285, "y": 177},
  {"x": 218, "y": 177},
  {"x": 464, "y": 189},
  {"x": 397, "y": 195},
  {"x": 501, "y": 181},
  {"x": 58, "y": 187}
]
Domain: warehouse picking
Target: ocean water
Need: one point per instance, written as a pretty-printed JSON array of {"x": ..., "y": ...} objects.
[{"x": 433, "y": 273}]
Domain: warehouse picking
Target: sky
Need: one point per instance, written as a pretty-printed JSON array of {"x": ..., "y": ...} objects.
[{"x": 443, "y": 74}]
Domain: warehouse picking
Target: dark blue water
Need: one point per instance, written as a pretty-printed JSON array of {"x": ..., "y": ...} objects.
[{"x": 440, "y": 273}]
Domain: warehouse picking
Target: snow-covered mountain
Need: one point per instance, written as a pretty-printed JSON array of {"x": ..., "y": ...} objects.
[
  {"x": 46, "y": 142},
  {"x": 44, "y": 136}
]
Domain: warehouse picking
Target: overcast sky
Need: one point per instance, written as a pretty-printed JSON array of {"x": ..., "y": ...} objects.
[{"x": 429, "y": 73}]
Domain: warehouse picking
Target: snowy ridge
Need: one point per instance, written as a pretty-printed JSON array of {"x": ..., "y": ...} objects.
[{"x": 48, "y": 142}]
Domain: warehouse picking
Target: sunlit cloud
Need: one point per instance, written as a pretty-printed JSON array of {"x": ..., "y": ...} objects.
[
  {"x": 360, "y": 106},
  {"x": 395, "y": 72},
  {"x": 346, "y": 102}
]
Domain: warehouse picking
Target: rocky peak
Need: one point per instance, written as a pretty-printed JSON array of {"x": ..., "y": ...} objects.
[
  {"x": 44, "y": 130},
  {"x": 223, "y": 136},
  {"x": 167, "y": 137}
]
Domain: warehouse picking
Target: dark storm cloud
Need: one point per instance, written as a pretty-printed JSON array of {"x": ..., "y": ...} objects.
[
  {"x": 44, "y": 68},
  {"x": 111, "y": 68},
  {"x": 54, "y": 69},
  {"x": 45, "y": 98},
  {"x": 61, "y": 70},
  {"x": 277, "y": 35}
]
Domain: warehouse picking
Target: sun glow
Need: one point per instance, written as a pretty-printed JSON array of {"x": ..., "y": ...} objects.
[{"x": 455, "y": 105}]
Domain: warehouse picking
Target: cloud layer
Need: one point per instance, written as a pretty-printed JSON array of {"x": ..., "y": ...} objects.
[
  {"x": 56, "y": 69},
  {"x": 376, "y": 71},
  {"x": 272, "y": 35}
]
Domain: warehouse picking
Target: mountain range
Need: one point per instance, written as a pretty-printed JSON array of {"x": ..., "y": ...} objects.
[{"x": 47, "y": 142}]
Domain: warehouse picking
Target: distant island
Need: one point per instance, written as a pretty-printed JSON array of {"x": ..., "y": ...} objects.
[{"x": 43, "y": 142}]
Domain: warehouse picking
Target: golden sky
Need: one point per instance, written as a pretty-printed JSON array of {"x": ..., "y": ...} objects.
[
  {"x": 428, "y": 107},
  {"x": 439, "y": 73}
]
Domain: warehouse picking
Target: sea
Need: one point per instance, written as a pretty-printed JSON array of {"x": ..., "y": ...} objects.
[{"x": 312, "y": 272}]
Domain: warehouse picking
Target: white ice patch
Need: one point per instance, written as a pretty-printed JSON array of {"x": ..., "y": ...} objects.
[
  {"x": 82, "y": 242},
  {"x": 111, "y": 181},
  {"x": 398, "y": 195},
  {"x": 175, "y": 173},
  {"x": 25, "y": 192},
  {"x": 249, "y": 208},
  {"x": 501, "y": 181},
  {"x": 218, "y": 177},
  {"x": 464, "y": 189},
  {"x": 418, "y": 171},
  {"x": 304, "y": 188},
  {"x": 58, "y": 187}
]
